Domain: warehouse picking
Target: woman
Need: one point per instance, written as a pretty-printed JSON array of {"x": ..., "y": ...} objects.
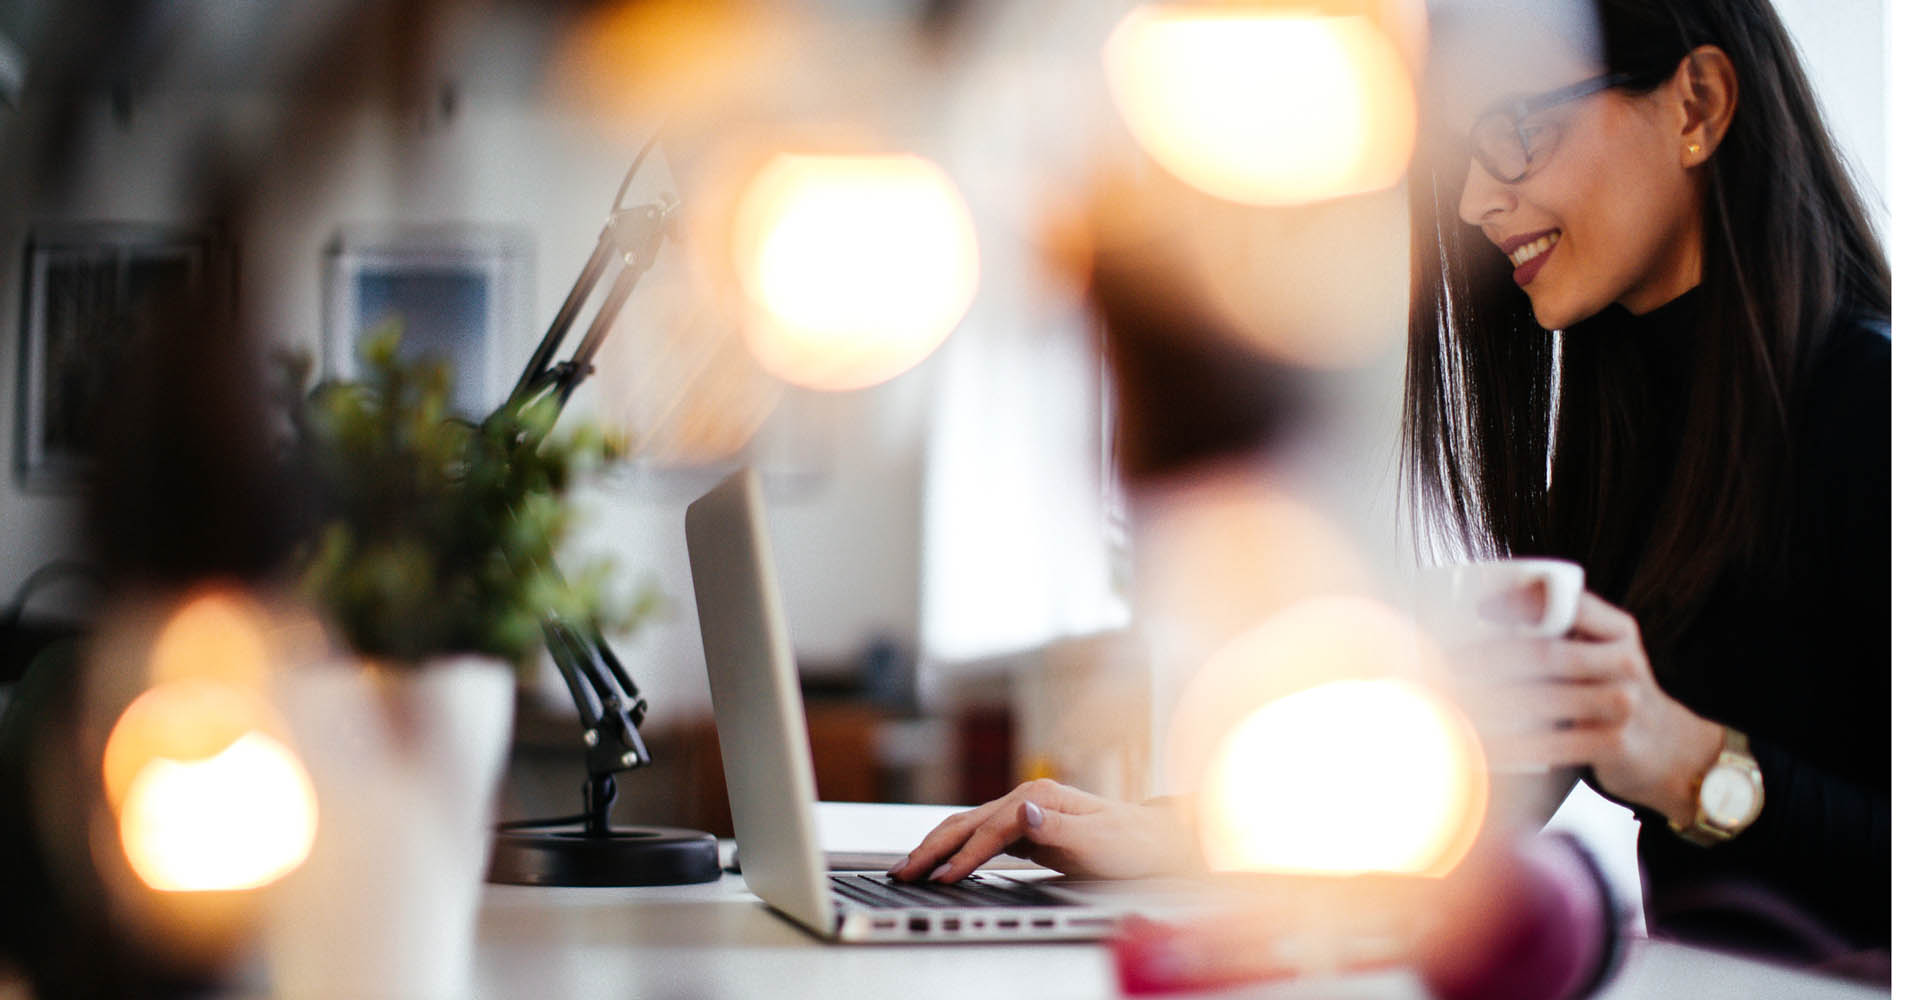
[
  {"x": 1709, "y": 437},
  {"x": 1717, "y": 456}
]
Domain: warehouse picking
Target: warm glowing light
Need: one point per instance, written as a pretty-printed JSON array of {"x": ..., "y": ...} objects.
[
  {"x": 236, "y": 820},
  {"x": 1350, "y": 777},
  {"x": 1311, "y": 746},
  {"x": 219, "y": 635},
  {"x": 634, "y": 59},
  {"x": 184, "y": 720},
  {"x": 1267, "y": 107},
  {"x": 857, "y": 266},
  {"x": 1313, "y": 641}
]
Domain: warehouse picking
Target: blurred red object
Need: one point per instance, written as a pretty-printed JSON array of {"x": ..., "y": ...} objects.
[
  {"x": 1524, "y": 919},
  {"x": 1290, "y": 925},
  {"x": 1530, "y": 919}
]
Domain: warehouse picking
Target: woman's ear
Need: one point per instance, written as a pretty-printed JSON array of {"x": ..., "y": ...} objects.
[{"x": 1708, "y": 91}]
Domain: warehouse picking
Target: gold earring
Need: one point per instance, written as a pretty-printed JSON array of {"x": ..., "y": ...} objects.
[{"x": 1693, "y": 148}]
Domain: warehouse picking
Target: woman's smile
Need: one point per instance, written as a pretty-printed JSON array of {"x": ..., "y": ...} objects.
[{"x": 1529, "y": 253}]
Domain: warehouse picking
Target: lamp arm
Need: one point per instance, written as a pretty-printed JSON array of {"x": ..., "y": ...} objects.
[
  {"x": 633, "y": 237},
  {"x": 608, "y": 701},
  {"x": 605, "y": 696}
]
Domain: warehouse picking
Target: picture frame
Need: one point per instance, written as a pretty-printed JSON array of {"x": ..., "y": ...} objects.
[
  {"x": 461, "y": 294},
  {"x": 89, "y": 289}
]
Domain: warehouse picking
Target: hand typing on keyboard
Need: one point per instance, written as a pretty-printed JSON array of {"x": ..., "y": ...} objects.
[{"x": 1059, "y": 826}]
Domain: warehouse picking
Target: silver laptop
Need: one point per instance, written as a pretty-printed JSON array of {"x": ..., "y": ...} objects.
[{"x": 763, "y": 749}]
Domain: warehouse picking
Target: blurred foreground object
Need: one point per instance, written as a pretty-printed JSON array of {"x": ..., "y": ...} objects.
[
  {"x": 162, "y": 793},
  {"x": 1265, "y": 103},
  {"x": 1354, "y": 776},
  {"x": 1528, "y": 919},
  {"x": 239, "y": 819},
  {"x": 1189, "y": 392},
  {"x": 855, "y": 267},
  {"x": 199, "y": 779},
  {"x": 1276, "y": 132},
  {"x": 1531, "y": 919},
  {"x": 117, "y": 886},
  {"x": 197, "y": 768},
  {"x": 405, "y": 764}
]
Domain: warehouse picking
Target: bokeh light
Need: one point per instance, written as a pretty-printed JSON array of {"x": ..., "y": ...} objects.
[
  {"x": 191, "y": 719},
  {"x": 220, "y": 634},
  {"x": 855, "y": 267},
  {"x": 1310, "y": 642},
  {"x": 637, "y": 60},
  {"x": 237, "y": 820},
  {"x": 206, "y": 793},
  {"x": 1264, "y": 106},
  {"x": 1313, "y": 744},
  {"x": 1349, "y": 777}
]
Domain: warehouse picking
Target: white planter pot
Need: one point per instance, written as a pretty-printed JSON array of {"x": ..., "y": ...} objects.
[{"x": 405, "y": 765}]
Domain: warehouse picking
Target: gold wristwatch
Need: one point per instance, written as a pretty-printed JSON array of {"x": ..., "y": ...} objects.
[{"x": 1726, "y": 799}]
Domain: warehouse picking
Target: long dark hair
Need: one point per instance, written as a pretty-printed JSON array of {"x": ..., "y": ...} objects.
[{"x": 1788, "y": 253}]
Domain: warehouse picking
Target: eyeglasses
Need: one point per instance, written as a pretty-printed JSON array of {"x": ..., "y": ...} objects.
[{"x": 1510, "y": 147}]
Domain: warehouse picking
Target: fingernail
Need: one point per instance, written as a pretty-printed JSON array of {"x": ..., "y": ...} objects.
[
  {"x": 897, "y": 865},
  {"x": 1034, "y": 816},
  {"x": 938, "y": 873}
]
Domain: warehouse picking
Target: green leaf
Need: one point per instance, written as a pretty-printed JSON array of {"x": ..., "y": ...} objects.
[{"x": 439, "y": 537}]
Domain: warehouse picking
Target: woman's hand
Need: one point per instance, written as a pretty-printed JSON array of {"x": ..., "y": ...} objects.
[
  {"x": 1059, "y": 826},
  {"x": 1590, "y": 698}
]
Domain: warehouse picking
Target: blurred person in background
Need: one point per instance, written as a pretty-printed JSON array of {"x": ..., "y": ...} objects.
[{"x": 1649, "y": 334}]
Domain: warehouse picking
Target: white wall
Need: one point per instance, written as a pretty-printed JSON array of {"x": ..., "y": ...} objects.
[{"x": 1845, "y": 46}]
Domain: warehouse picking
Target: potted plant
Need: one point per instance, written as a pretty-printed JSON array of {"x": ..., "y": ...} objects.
[
  {"x": 435, "y": 537},
  {"x": 431, "y": 555}
]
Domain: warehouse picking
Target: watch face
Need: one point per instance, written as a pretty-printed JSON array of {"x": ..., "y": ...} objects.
[{"x": 1727, "y": 796}]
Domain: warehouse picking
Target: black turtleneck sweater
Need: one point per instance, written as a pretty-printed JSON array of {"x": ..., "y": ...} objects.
[{"x": 1798, "y": 658}]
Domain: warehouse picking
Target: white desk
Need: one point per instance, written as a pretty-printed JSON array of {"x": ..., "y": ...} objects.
[{"x": 718, "y": 940}]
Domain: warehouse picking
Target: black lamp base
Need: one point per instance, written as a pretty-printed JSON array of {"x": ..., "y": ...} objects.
[{"x": 565, "y": 854}]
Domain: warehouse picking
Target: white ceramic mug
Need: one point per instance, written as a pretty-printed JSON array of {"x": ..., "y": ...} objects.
[
  {"x": 1477, "y": 602},
  {"x": 1526, "y": 598}
]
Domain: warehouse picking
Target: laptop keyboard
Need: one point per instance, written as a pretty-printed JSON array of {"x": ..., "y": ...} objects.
[{"x": 970, "y": 892}]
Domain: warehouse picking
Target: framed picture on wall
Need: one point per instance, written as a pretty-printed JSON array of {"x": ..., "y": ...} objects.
[
  {"x": 90, "y": 288},
  {"x": 459, "y": 293}
]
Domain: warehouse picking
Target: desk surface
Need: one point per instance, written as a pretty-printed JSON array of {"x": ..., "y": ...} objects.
[{"x": 718, "y": 940}]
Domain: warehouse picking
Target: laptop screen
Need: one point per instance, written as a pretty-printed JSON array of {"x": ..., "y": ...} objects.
[{"x": 756, "y": 700}]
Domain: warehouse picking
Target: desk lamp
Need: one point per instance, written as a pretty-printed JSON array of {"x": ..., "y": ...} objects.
[
  {"x": 854, "y": 268},
  {"x": 587, "y": 849}
]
